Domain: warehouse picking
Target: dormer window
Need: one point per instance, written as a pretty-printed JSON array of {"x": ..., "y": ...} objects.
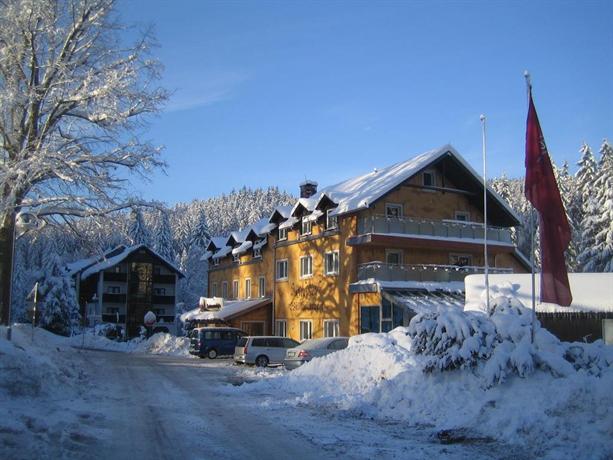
[
  {"x": 215, "y": 261},
  {"x": 236, "y": 258},
  {"x": 282, "y": 234},
  {"x": 257, "y": 252},
  {"x": 331, "y": 221},
  {"x": 306, "y": 226},
  {"x": 428, "y": 179}
]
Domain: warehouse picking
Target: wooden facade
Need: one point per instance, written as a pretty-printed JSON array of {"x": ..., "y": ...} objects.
[{"x": 416, "y": 230}]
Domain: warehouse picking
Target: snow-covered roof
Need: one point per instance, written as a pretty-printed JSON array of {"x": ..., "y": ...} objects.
[
  {"x": 313, "y": 216},
  {"x": 230, "y": 309},
  {"x": 105, "y": 263},
  {"x": 244, "y": 246},
  {"x": 217, "y": 242},
  {"x": 284, "y": 212},
  {"x": 308, "y": 182},
  {"x": 360, "y": 192},
  {"x": 424, "y": 301},
  {"x": 289, "y": 223},
  {"x": 307, "y": 203},
  {"x": 222, "y": 252},
  {"x": 592, "y": 292}
]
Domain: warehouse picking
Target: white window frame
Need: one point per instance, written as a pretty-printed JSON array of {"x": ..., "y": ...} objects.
[
  {"x": 390, "y": 206},
  {"x": 335, "y": 261},
  {"x": 304, "y": 274},
  {"x": 330, "y": 219},
  {"x": 236, "y": 258},
  {"x": 224, "y": 289},
  {"x": 280, "y": 263},
  {"x": 215, "y": 261},
  {"x": 334, "y": 324},
  {"x": 394, "y": 251},
  {"x": 235, "y": 289},
  {"x": 281, "y": 327},
  {"x": 309, "y": 329},
  {"x": 308, "y": 223},
  {"x": 214, "y": 289},
  {"x": 431, "y": 174},
  {"x": 262, "y": 286},
  {"x": 283, "y": 232},
  {"x": 462, "y": 216},
  {"x": 257, "y": 253},
  {"x": 113, "y": 289},
  {"x": 247, "y": 288}
]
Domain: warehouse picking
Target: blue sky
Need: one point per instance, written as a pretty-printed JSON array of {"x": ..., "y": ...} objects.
[{"x": 271, "y": 92}]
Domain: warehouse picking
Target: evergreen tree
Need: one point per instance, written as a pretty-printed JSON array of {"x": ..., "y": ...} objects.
[
  {"x": 163, "y": 238},
  {"x": 586, "y": 208},
  {"x": 603, "y": 213},
  {"x": 59, "y": 308},
  {"x": 137, "y": 230}
]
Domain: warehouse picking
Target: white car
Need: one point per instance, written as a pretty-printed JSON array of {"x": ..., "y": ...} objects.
[
  {"x": 262, "y": 350},
  {"x": 309, "y": 349}
]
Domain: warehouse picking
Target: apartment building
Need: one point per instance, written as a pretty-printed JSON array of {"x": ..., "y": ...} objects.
[
  {"x": 365, "y": 254},
  {"x": 123, "y": 285}
]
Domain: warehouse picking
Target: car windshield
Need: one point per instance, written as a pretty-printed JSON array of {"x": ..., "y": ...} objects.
[
  {"x": 313, "y": 344},
  {"x": 242, "y": 342}
]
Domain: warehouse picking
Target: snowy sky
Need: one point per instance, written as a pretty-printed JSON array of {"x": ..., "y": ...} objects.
[{"x": 271, "y": 92}]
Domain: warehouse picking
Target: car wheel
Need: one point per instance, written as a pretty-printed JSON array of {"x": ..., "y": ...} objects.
[
  {"x": 261, "y": 361},
  {"x": 212, "y": 353}
]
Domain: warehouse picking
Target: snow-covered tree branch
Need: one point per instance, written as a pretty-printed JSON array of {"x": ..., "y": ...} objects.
[{"x": 73, "y": 101}]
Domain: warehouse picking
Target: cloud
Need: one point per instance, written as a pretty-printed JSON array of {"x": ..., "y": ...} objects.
[{"x": 200, "y": 90}]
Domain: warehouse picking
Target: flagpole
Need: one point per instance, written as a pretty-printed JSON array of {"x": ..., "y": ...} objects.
[
  {"x": 532, "y": 231},
  {"x": 487, "y": 280}
]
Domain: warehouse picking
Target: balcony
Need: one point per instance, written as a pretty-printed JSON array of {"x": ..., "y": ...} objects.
[
  {"x": 163, "y": 300},
  {"x": 113, "y": 298},
  {"x": 456, "y": 229},
  {"x": 420, "y": 272}
]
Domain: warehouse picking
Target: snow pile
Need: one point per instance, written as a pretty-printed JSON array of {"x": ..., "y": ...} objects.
[
  {"x": 481, "y": 376},
  {"x": 164, "y": 344},
  {"x": 31, "y": 368}
]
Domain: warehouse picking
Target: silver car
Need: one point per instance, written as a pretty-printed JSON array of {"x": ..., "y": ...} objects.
[
  {"x": 309, "y": 349},
  {"x": 262, "y": 350}
]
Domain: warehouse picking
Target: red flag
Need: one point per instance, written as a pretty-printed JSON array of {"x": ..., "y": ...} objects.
[{"x": 542, "y": 191}]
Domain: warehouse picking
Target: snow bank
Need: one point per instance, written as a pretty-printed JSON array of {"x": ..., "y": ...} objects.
[
  {"x": 158, "y": 344},
  {"x": 467, "y": 372}
]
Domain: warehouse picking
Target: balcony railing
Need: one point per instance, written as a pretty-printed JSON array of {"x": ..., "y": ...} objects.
[
  {"x": 420, "y": 272},
  {"x": 437, "y": 228}
]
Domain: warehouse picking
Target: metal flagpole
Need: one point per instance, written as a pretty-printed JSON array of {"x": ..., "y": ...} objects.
[
  {"x": 532, "y": 230},
  {"x": 487, "y": 280}
]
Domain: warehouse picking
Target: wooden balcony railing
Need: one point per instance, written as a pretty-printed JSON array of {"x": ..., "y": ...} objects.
[
  {"x": 420, "y": 272},
  {"x": 437, "y": 228}
]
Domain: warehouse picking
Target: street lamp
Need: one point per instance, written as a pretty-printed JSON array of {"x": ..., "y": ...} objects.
[{"x": 26, "y": 221}]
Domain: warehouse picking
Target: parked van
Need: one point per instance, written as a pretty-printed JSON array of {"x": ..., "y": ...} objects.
[
  {"x": 214, "y": 341},
  {"x": 262, "y": 350}
]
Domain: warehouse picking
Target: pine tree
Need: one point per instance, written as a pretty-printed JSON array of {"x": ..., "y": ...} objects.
[
  {"x": 603, "y": 213},
  {"x": 137, "y": 230},
  {"x": 163, "y": 236},
  {"x": 586, "y": 206},
  {"x": 59, "y": 308}
]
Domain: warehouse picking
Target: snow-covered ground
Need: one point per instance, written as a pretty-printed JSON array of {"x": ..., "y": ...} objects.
[{"x": 549, "y": 400}]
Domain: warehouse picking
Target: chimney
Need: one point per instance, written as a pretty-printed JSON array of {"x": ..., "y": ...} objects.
[{"x": 308, "y": 188}]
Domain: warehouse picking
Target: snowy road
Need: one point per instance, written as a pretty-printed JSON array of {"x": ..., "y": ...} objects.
[{"x": 133, "y": 406}]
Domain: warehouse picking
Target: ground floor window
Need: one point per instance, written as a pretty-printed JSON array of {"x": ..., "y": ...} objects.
[
  {"x": 306, "y": 329},
  {"x": 281, "y": 327},
  {"x": 370, "y": 319},
  {"x": 331, "y": 328},
  {"x": 253, "y": 327}
]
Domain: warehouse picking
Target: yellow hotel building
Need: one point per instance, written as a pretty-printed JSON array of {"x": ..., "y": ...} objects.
[{"x": 363, "y": 255}]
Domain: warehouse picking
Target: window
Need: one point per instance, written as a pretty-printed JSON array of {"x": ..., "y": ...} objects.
[
  {"x": 114, "y": 290},
  {"x": 393, "y": 210},
  {"x": 306, "y": 266},
  {"x": 332, "y": 264},
  {"x": 159, "y": 311},
  {"x": 282, "y": 269},
  {"x": 386, "y": 315},
  {"x": 393, "y": 256},
  {"x": 214, "y": 290},
  {"x": 159, "y": 291},
  {"x": 306, "y": 226},
  {"x": 248, "y": 288},
  {"x": 224, "y": 289},
  {"x": 215, "y": 261},
  {"x": 461, "y": 260},
  {"x": 464, "y": 216},
  {"x": 235, "y": 289},
  {"x": 370, "y": 319},
  {"x": 112, "y": 310},
  {"x": 331, "y": 328},
  {"x": 257, "y": 252},
  {"x": 281, "y": 327},
  {"x": 429, "y": 179},
  {"x": 262, "y": 287},
  {"x": 306, "y": 329},
  {"x": 236, "y": 258},
  {"x": 282, "y": 234},
  {"x": 117, "y": 269},
  {"x": 331, "y": 221}
]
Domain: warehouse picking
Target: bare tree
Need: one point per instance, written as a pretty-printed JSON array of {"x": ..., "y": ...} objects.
[{"x": 73, "y": 98}]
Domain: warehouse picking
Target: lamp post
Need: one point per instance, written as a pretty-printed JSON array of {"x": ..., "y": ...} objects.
[{"x": 26, "y": 221}]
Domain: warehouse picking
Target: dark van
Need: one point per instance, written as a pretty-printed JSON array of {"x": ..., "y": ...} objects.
[{"x": 214, "y": 341}]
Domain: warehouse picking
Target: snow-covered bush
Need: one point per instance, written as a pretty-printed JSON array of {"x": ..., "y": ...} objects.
[
  {"x": 59, "y": 308},
  {"x": 453, "y": 338}
]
